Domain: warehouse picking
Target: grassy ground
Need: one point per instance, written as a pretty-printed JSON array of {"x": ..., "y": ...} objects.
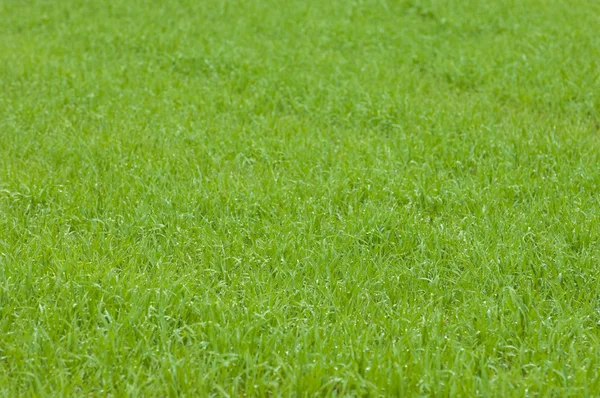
[{"x": 274, "y": 198}]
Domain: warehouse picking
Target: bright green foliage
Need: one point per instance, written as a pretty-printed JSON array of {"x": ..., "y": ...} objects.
[{"x": 303, "y": 197}]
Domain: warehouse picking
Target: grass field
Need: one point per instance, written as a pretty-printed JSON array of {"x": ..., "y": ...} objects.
[{"x": 299, "y": 198}]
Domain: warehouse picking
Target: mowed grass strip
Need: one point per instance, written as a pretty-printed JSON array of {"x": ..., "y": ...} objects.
[{"x": 279, "y": 198}]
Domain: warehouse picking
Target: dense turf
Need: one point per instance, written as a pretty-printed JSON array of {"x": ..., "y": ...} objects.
[{"x": 299, "y": 197}]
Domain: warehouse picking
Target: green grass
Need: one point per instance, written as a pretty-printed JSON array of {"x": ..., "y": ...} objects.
[{"x": 299, "y": 198}]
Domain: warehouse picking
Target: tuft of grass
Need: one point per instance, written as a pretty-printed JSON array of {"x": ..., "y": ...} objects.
[{"x": 299, "y": 198}]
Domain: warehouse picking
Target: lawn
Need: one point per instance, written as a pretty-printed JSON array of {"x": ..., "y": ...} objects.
[{"x": 299, "y": 198}]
